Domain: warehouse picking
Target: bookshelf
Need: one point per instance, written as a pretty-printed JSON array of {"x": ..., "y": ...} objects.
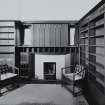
[
  {"x": 92, "y": 44},
  {"x": 27, "y": 63},
  {"x": 92, "y": 49},
  {"x": 7, "y": 41}
]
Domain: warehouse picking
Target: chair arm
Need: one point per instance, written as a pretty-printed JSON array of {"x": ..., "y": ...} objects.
[{"x": 67, "y": 67}]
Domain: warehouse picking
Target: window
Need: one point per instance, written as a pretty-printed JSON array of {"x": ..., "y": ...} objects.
[
  {"x": 28, "y": 37},
  {"x": 72, "y": 34}
]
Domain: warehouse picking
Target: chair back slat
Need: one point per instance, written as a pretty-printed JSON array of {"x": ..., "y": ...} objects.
[{"x": 80, "y": 70}]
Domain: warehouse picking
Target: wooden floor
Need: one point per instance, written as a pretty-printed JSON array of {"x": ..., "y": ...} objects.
[{"x": 30, "y": 94}]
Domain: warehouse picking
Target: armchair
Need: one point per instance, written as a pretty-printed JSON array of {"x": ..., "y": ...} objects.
[{"x": 74, "y": 80}]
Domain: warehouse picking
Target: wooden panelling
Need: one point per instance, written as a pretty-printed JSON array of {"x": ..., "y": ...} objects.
[
  {"x": 5, "y": 24},
  {"x": 64, "y": 35},
  {"x": 50, "y": 35},
  {"x": 42, "y": 35},
  {"x": 2, "y": 29},
  {"x": 7, "y": 49},
  {"x": 94, "y": 13},
  {"x": 100, "y": 50},
  {"x": 100, "y": 41},
  {"x": 58, "y": 37},
  {"x": 36, "y": 34},
  {"x": 7, "y": 56},
  {"x": 92, "y": 50},
  {"x": 100, "y": 31},
  {"x": 7, "y": 41},
  {"x": 47, "y": 35}
]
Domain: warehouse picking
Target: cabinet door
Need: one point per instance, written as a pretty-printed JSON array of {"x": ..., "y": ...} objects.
[{"x": 31, "y": 65}]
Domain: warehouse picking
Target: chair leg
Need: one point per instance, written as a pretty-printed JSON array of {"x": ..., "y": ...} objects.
[
  {"x": 0, "y": 92},
  {"x": 73, "y": 89}
]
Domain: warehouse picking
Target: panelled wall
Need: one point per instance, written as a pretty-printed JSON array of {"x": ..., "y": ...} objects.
[
  {"x": 50, "y": 35},
  {"x": 47, "y": 38},
  {"x": 10, "y": 37},
  {"x": 92, "y": 52},
  {"x": 7, "y": 40}
]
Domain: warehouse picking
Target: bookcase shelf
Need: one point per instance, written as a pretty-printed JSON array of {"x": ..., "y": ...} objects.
[
  {"x": 102, "y": 46},
  {"x": 6, "y": 38},
  {"x": 96, "y": 64},
  {"x": 94, "y": 54},
  {"x": 92, "y": 47},
  {"x": 96, "y": 36},
  {"x": 6, "y": 32},
  {"x": 7, "y": 26},
  {"x": 97, "y": 26},
  {"x": 84, "y": 37},
  {"x": 84, "y": 31},
  {"x": 7, "y": 53},
  {"x": 83, "y": 44}
]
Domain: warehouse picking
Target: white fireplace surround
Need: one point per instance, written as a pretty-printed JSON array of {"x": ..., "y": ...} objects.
[{"x": 40, "y": 59}]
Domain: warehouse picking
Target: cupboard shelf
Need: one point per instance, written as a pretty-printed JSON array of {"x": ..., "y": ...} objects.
[
  {"x": 84, "y": 37},
  {"x": 6, "y": 38},
  {"x": 7, "y": 26},
  {"x": 7, "y": 53},
  {"x": 96, "y": 54},
  {"x": 7, "y": 32},
  {"x": 96, "y": 36},
  {"x": 102, "y": 46},
  {"x": 95, "y": 63},
  {"x": 97, "y": 26},
  {"x": 83, "y": 44}
]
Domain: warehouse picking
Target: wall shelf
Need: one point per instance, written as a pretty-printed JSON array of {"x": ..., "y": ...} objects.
[
  {"x": 6, "y": 38},
  {"x": 96, "y": 36}
]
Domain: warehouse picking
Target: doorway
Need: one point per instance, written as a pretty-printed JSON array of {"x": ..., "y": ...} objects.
[{"x": 50, "y": 70}]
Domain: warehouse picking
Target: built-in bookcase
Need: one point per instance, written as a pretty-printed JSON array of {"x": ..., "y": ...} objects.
[
  {"x": 92, "y": 47},
  {"x": 11, "y": 35},
  {"x": 7, "y": 40}
]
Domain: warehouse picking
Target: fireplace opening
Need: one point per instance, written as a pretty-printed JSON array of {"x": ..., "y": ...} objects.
[{"x": 50, "y": 70}]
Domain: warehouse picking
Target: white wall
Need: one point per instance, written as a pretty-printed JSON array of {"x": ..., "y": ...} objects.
[{"x": 39, "y": 59}]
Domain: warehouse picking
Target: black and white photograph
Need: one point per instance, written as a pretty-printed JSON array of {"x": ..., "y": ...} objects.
[{"x": 52, "y": 52}]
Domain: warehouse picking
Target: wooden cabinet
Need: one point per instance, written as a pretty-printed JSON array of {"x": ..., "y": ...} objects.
[{"x": 27, "y": 63}]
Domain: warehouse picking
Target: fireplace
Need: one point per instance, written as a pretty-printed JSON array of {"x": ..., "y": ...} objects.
[{"x": 49, "y": 70}]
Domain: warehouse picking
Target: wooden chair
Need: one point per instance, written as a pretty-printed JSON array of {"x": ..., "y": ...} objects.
[{"x": 73, "y": 81}]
